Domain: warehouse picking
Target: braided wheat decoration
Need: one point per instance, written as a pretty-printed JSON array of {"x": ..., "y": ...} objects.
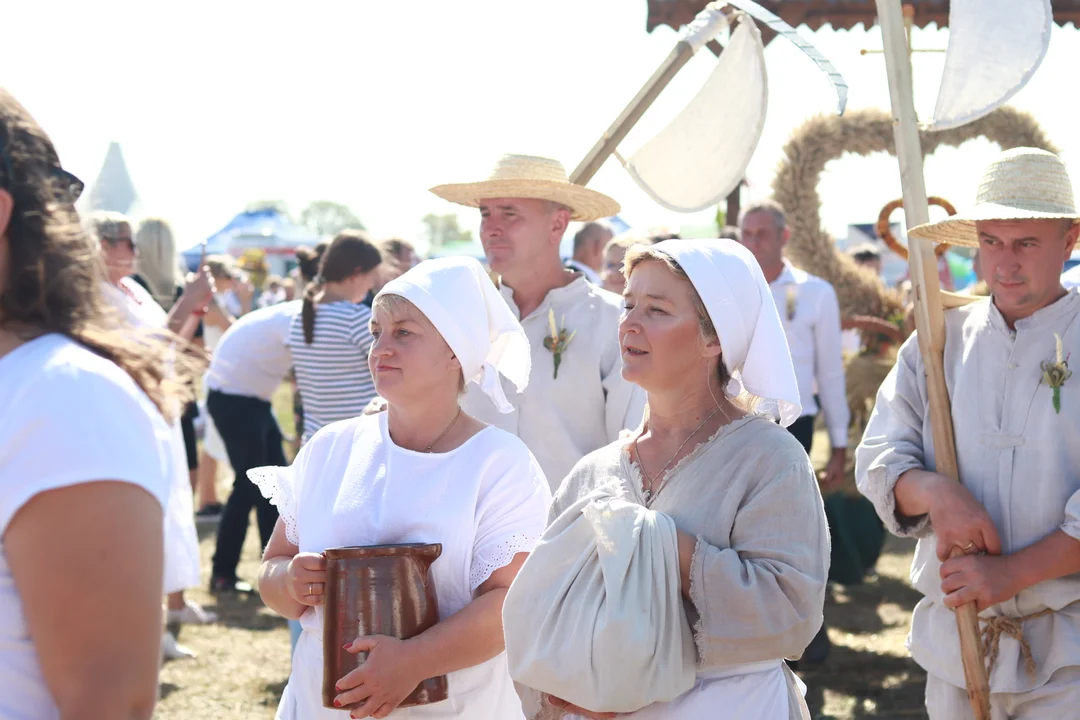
[{"x": 863, "y": 132}]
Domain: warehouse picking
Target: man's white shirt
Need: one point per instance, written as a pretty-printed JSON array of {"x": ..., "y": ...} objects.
[
  {"x": 590, "y": 274},
  {"x": 562, "y": 419},
  {"x": 811, "y": 316}
]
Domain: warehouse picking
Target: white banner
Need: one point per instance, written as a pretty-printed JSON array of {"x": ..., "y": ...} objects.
[
  {"x": 702, "y": 155},
  {"x": 995, "y": 46}
]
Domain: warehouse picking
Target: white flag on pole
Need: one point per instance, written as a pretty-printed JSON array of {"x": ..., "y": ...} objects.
[
  {"x": 701, "y": 156},
  {"x": 995, "y": 46}
]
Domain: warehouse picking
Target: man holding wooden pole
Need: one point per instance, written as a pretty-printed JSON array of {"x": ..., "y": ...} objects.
[{"x": 1007, "y": 537}]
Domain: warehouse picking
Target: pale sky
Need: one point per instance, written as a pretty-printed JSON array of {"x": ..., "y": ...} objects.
[{"x": 217, "y": 105}]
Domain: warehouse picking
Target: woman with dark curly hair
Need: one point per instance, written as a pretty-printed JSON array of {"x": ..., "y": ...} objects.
[{"x": 85, "y": 457}]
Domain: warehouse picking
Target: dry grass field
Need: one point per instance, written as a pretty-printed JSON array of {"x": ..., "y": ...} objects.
[{"x": 243, "y": 661}]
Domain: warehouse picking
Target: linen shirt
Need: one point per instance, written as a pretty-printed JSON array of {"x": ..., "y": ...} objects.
[
  {"x": 586, "y": 407},
  {"x": 758, "y": 573},
  {"x": 1018, "y": 457},
  {"x": 811, "y": 316}
]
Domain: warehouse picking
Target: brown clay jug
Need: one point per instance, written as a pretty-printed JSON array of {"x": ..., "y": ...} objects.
[{"x": 378, "y": 590}]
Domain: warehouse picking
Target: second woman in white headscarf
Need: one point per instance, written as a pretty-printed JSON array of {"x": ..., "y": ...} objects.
[
  {"x": 701, "y": 335},
  {"x": 421, "y": 472}
]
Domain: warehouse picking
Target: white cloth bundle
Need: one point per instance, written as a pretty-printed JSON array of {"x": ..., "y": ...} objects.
[{"x": 595, "y": 615}]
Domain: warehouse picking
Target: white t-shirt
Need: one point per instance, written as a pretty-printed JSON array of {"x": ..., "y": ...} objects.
[
  {"x": 485, "y": 501},
  {"x": 228, "y": 302},
  {"x": 69, "y": 417},
  {"x": 332, "y": 372},
  {"x": 252, "y": 357},
  {"x": 181, "y": 538},
  {"x": 137, "y": 304}
]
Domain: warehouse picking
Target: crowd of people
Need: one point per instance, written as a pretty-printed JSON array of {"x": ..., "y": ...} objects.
[{"x": 627, "y": 430}]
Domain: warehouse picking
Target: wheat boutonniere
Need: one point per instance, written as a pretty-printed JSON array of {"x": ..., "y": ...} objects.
[
  {"x": 1056, "y": 373},
  {"x": 558, "y": 340},
  {"x": 791, "y": 299}
]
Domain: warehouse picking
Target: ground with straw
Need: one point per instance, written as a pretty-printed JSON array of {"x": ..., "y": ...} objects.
[{"x": 243, "y": 661}]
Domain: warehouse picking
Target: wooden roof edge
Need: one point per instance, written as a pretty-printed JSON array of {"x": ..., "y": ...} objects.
[{"x": 677, "y": 14}]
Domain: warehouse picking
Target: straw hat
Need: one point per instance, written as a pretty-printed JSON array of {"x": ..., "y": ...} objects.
[
  {"x": 524, "y": 176},
  {"x": 1020, "y": 184}
]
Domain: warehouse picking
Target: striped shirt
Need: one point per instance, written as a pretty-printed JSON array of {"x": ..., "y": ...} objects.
[{"x": 332, "y": 373}]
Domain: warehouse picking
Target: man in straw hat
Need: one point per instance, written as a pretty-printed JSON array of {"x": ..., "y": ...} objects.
[
  {"x": 1015, "y": 515},
  {"x": 576, "y": 400}
]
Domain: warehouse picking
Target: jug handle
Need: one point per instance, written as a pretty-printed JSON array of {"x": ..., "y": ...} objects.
[{"x": 426, "y": 556}]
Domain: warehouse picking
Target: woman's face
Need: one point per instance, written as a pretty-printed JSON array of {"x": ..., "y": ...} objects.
[
  {"x": 118, "y": 252},
  {"x": 612, "y": 275},
  {"x": 659, "y": 333},
  {"x": 409, "y": 360}
]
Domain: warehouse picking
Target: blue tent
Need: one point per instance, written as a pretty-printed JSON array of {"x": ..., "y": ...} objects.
[{"x": 262, "y": 228}]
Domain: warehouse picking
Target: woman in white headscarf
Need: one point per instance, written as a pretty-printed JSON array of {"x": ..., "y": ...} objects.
[
  {"x": 420, "y": 472},
  {"x": 701, "y": 335}
]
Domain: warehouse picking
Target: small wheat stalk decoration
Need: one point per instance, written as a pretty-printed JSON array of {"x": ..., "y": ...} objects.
[
  {"x": 1056, "y": 373},
  {"x": 558, "y": 340}
]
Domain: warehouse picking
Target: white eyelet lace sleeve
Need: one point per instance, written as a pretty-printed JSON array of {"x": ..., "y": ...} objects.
[
  {"x": 278, "y": 485},
  {"x": 512, "y": 512},
  {"x": 498, "y": 555}
]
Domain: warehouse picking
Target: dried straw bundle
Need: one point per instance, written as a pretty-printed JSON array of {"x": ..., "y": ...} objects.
[{"x": 864, "y": 132}]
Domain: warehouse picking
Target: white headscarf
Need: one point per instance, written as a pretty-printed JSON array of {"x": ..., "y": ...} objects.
[
  {"x": 460, "y": 300},
  {"x": 741, "y": 307}
]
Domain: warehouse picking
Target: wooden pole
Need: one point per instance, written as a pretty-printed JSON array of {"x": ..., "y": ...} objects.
[
  {"x": 615, "y": 134},
  {"x": 731, "y": 215},
  {"x": 929, "y": 313}
]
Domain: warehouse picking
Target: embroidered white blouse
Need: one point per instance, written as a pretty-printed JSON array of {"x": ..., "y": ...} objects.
[
  {"x": 1020, "y": 459},
  {"x": 565, "y": 418},
  {"x": 350, "y": 484}
]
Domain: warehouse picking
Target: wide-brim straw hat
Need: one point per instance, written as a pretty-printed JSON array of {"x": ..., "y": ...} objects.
[
  {"x": 526, "y": 176},
  {"x": 1020, "y": 184}
]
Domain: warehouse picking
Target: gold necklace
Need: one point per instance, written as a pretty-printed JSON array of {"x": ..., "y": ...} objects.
[
  {"x": 443, "y": 433},
  {"x": 648, "y": 491}
]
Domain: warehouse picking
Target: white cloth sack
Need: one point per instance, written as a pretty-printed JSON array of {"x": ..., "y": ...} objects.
[
  {"x": 995, "y": 46},
  {"x": 595, "y": 615}
]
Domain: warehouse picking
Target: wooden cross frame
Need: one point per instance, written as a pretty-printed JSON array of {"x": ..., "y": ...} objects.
[
  {"x": 929, "y": 315},
  {"x": 909, "y": 25}
]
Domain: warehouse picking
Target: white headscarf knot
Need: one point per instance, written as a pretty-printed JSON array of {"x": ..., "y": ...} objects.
[
  {"x": 460, "y": 300},
  {"x": 752, "y": 340}
]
